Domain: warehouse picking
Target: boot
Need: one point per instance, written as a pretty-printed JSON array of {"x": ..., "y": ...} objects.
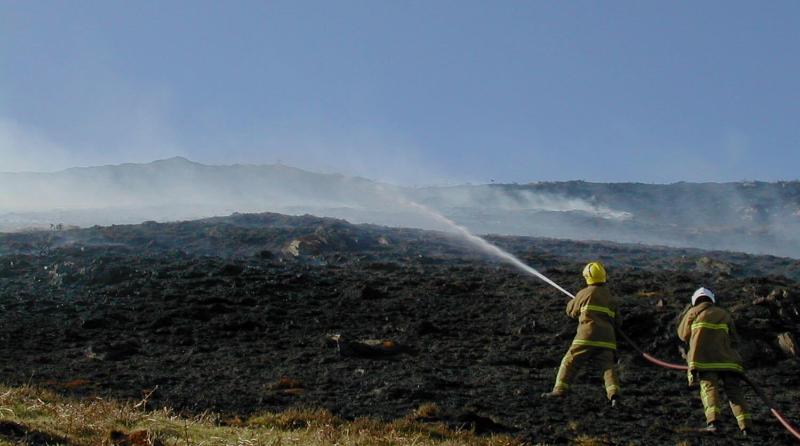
[
  {"x": 710, "y": 428},
  {"x": 552, "y": 395}
]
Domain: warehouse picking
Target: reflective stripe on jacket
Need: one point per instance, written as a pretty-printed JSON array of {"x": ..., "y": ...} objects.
[
  {"x": 596, "y": 311},
  {"x": 709, "y": 330}
]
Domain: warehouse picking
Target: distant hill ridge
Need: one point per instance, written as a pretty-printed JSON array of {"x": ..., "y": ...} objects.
[{"x": 756, "y": 217}]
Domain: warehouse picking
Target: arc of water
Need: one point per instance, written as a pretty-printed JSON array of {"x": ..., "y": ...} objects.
[{"x": 485, "y": 246}]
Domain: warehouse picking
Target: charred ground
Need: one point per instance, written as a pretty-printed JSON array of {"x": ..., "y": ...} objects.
[{"x": 241, "y": 314}]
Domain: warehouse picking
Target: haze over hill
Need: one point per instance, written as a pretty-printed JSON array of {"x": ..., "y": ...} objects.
[{"x": 746, "y": 216}]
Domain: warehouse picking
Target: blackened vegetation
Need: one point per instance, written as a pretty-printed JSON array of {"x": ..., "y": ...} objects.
[
  {"x": 264, "y": 312},
  {"x": 21, "y": 434}
]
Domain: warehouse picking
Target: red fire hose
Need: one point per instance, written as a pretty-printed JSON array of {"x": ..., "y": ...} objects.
[
  {"x": 772, "y": 407},
  {"x": 763, "y": 396},
  {"x": 649, "y": 357}
]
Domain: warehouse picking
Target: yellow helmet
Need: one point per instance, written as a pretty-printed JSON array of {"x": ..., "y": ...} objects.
[{"x": 594, "y": 273}]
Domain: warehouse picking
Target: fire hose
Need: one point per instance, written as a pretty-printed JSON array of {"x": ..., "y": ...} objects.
[{"x": 669, "y": 365}]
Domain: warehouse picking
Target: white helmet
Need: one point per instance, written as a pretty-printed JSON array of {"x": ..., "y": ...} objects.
[{"x": 703, "y": 292}]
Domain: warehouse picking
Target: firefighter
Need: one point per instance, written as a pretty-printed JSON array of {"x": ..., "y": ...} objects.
[
  {"x": 595, "y": 340},
  {"x": 712, "y": 359}
]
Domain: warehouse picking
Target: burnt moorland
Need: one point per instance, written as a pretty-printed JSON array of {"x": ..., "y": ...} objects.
[{"x": 262, "y": 312}]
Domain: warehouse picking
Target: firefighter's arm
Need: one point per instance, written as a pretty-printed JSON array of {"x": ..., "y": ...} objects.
[
  {"x": 685, "y": 327},
  {"x": 574, "y": 305},
  {"x": 571, "y": 305},
  {"x": 685, "y": 332},
  {"x": 685, "y": 310}
]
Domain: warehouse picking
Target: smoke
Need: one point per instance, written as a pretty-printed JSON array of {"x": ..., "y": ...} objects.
[
  {"x": 750, "y": 217},
  {"x": 23, "y": 148},
  {"x": 500, "y": 198},
  {"x": 314, "y": 144}
]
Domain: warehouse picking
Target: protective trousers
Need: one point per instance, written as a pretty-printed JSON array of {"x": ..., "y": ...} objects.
[
  {"x": 579, "y": 355},
  {"x": 709, "y": 393}
]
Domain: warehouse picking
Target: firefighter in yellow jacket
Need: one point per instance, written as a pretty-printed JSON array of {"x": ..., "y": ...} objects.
[
  {"x": 712, "y": 360},
  {"x": 595, "y": 340}
]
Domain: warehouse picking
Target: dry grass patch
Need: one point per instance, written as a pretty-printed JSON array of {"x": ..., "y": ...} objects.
[
  {"x": 97, "y": 421},
  {"x": 427, "y": 411}
]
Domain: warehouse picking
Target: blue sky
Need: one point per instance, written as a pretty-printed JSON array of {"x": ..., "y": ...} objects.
[{"x": 415, "y": 92}]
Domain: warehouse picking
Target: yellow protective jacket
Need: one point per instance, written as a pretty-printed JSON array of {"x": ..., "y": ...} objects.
[
  {"x": 597, "y": 314},
  {"x": 709, "y": 330}
]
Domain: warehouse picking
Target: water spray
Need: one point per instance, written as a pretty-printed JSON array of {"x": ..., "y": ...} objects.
[
  {"x": 484, "y": 245},
  {"x": 489, "y": 248}
]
